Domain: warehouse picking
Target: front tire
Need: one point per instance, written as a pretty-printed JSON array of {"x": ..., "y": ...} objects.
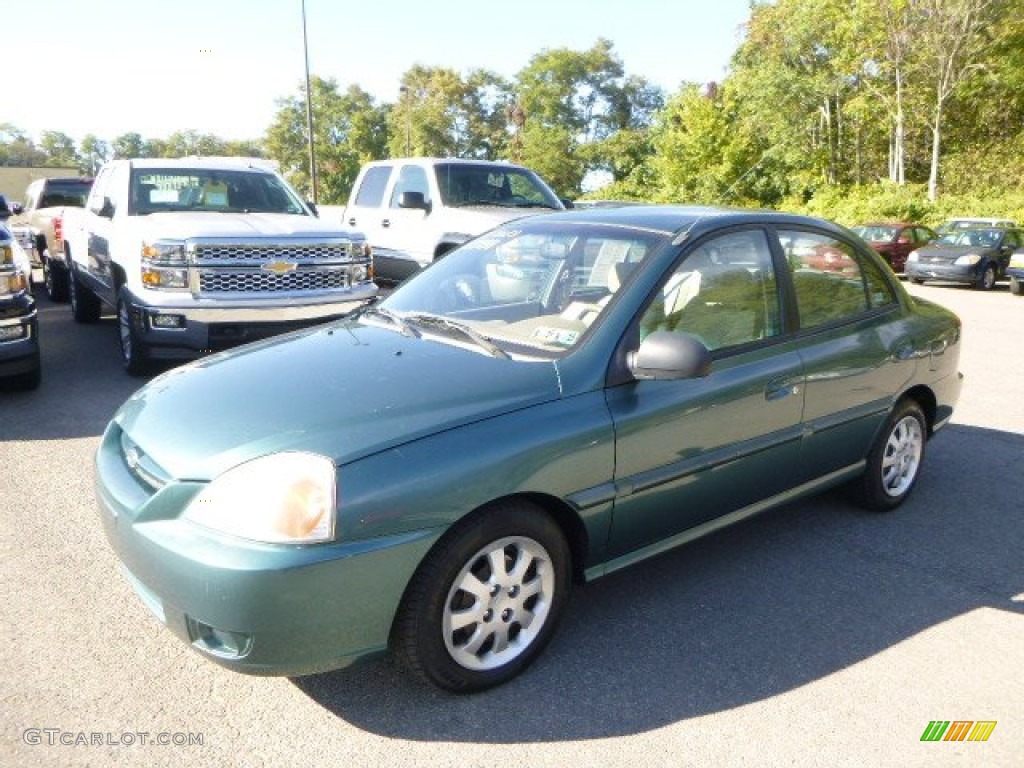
[
  {"x": 894, "y": 461},
  {"x": 134, "y": 351},
  {"x": 486, "y": 599},
  {"x": 1016, "y": 286},
  {"x": 987, "y": 281}
]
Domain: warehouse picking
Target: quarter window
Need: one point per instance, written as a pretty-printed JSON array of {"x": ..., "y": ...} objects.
[
  {"x": 724, "y": 293},
  {"x": 371, "y": 190}
]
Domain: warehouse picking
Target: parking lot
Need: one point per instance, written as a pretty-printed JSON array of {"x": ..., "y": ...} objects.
[{"x": 815, "y": 634}]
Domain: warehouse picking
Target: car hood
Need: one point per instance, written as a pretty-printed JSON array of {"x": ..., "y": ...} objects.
[
  {"x": 479, "y": 218},
  {"x": 184, "y": 225},
  {"x": 344, "y": 390}
]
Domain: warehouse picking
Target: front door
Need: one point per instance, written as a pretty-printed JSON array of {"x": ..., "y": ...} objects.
[{"x": 690, "y": 451}]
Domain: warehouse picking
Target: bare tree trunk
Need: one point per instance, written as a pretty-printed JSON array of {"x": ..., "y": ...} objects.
[{"x": 933, "y": 175}]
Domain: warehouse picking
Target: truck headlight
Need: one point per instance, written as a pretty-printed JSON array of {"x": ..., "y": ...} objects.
[
  {"x": 968, "y": 260},
  {"x": 6, "y": 254},
  {"x": 163, "y": 263},
  {"x": 11, "y": 283},
  {"x": 164, "y": 252},
  {"x": 283, "y": 498},
  {"x": 913, "y": 256}
]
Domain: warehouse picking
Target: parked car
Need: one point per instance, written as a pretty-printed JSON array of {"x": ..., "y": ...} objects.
[
  {"x": 895, "y": 240},
  {"x": 967, "y": 222},
  {"x": 20, "y": 366},
  {"x": 559, "y": 398},
  {"x": 1015, "y": 272},
  {"x": 978, "y": 256}
]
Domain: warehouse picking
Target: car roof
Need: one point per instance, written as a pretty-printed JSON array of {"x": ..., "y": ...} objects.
[
  {"x": 225, "y": 163},
  {"x": 679, "y": 218}
]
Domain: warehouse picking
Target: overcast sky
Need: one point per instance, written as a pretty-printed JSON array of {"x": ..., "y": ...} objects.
[{"x": 108, "y": 67}]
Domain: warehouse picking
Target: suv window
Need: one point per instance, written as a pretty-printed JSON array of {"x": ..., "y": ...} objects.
[
  {"x": 832, "y": 280},
  {"x": 724, "y": 293},
  {"x": 371, "y": 190},
  {"x": 411, "y": 178}
]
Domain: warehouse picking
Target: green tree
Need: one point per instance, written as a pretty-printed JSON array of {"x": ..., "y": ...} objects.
[
  {"x": 128, "y": 145},
  {"x": 17, "y": 148},
  {"x": 93, "y": 152},
  {"x": 59, "y": 149},
  {"x": 349, "y": 129}
]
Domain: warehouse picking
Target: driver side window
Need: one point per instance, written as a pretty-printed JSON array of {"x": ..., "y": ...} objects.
[
  {"x": 724, "y": 293},
  {"x": 411, "y": 178}
]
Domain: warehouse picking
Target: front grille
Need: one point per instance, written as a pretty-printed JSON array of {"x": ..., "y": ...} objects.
[
  {"x": 248, "y": 253},
  {"x": 253, "y": 281}
]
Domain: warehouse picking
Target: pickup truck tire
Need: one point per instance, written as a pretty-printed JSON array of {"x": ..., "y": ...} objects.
[
  {"x": 134, "y": 351},
  {"x": 55, "y": 281},
  {"x": 85, "y": 305}
]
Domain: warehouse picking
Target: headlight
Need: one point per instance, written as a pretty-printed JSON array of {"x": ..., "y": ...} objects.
[
  {"x": 968, "y": 260},
  {"x": 6, "y": 254},
  {"x": 286, "y": 498},
  {"x": 913, "y": 256},
  {"x": 164, "y": 252},
  {"x": 11, "y": 283},
  {"x": 1017, "y": 261},
  {"x": 162, "y": 265}
]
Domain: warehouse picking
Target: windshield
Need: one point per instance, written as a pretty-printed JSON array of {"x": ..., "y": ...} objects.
[
  {"x": 462, "y": 184},
  {"x": 976, "y": 238},
  {"x": 529, "y": 289},
  {"x": 876, "y": 234},
  {"x": 205, "y": 189}
]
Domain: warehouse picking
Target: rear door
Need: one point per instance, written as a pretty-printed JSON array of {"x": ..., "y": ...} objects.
[{"x": 855, "y": 345}]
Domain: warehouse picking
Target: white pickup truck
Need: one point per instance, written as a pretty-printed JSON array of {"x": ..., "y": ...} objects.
[
  {"x": 414, "y": 210},
  {"x": 197, "y": 255}
]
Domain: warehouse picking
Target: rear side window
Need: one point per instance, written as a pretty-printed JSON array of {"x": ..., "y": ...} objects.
[
  {"x": 371, "y": 190},
  {"x": 832, "y": 280}
]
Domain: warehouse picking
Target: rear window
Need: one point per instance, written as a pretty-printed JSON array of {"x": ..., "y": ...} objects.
[{"x": 69, "y": 192}]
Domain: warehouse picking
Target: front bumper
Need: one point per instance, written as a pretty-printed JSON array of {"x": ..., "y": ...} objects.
[
  {"x": 174, "y": 330},
  {"x": 254, "y": 608},
  {"x": 19, "y": 335},
  {"x": 945, "y": 272}
]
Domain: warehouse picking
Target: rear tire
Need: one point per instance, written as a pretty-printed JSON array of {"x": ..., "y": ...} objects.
[
  {"x": 1016, "y": 286},
  {"x": 85, "y": 306},
  {"x": 485, "y": 600},
  {"x": 894, "y": 461},
  {"x": 55, "y": 281}
]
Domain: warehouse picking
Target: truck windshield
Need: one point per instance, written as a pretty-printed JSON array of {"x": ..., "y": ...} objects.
[
  {"x": 464, "y": 184},
  {"x": 216, "y": 190}
]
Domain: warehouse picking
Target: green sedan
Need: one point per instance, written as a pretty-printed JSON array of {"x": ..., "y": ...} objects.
[{"x": 561, "y": 397}]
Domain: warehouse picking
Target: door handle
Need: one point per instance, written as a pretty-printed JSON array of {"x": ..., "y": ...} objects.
[
  {"x": 386, "y": 223},
  {"x": 780, "y": 388},
  {"x": 352, "y": 221}
]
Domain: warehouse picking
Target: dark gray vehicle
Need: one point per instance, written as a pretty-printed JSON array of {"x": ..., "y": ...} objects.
[{"x": 978, "y": 256}]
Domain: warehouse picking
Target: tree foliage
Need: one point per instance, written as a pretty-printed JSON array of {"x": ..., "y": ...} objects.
[{"x": 894, "y": 101}]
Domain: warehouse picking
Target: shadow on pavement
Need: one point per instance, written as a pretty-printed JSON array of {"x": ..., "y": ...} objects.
[{"x": 762, "y": 608}]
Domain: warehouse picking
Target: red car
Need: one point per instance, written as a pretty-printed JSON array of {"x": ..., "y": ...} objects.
[{"x": 895, "y": 240}]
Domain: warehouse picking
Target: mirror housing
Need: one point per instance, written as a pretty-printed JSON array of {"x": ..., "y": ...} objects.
[
  {"x": 669, "y": 356},
  {"x": 107, "y": 209},
  {"x": 313, "y": 209},
  {"x": 413, "y": 200}
]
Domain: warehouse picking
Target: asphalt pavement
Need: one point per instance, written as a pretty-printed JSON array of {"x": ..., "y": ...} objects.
[{"x": 812, "y": 635}]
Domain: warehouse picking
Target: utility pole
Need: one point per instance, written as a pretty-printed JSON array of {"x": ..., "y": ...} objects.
[
  {"x": 404, "y": 90},
  {"x": 309, "y": 110}
]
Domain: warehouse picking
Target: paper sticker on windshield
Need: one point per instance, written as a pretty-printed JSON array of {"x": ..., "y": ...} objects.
[{"x": 559, "y": 336}]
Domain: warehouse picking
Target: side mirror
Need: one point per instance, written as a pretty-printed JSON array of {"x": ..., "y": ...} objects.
[
  {"x": 668, "y": 356},
  {"x": 312, "y": 207},
  {"x": 568, "y": 203},
  {"x": 107, "y": 209},
  {"x": 413, "y": 200}
]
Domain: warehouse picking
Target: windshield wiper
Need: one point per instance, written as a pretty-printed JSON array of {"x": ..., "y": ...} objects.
[
  {"x": 403, "y": 326},
  {"x": 477, "y": 338}
]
